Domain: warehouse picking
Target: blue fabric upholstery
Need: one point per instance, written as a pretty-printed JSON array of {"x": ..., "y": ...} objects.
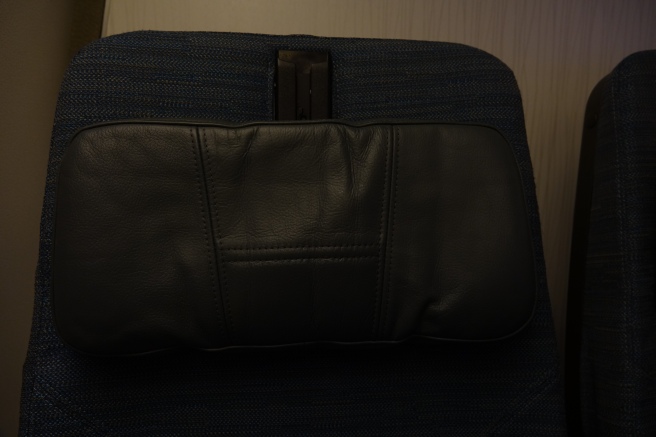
[
  {"x": 509, "y": 388},
  {"x": 618, "y": 358}
]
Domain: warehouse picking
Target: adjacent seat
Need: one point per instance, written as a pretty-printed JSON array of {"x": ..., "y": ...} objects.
[
  {"x": 508, "y": 387},
  {"x": 611, "y": 342}
]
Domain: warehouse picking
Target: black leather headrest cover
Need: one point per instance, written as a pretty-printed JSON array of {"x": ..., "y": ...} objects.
[{"x": 182, "y": 234}]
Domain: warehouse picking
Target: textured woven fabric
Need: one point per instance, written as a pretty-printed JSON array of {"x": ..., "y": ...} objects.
[
  {"x": 509, "y": 388},
  {"x": 619, "y": 321}
]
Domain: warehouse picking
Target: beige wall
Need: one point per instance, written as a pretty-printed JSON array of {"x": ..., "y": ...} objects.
[
  {"x": 34, "y": 48},
  {"x": 558, "y": 50},
  {"x": 37, "y": 38}
]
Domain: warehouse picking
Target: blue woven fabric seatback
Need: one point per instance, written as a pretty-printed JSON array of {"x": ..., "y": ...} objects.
[
  {"x": 509, "y": 388},
  {"x": 618, "y": 356}
]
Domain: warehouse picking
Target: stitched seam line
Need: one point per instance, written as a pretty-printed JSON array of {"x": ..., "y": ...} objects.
[
  {"x": 523, "y": 402},
  {"x": 223, "y": 289},
  {"x": 71, "y": 410},
  {"x": 332, "y": 258},
  {"x": 395, "y": 175},
  {"x": 212, "y": 265},
  {"x": 208, "y": 246},
  {"x": 380, "y": 269},
  {"x": 356, "y": 246}
]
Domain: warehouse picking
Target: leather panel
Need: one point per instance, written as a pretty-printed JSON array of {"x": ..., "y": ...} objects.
[
  {"x": 459, "y": 247},
  {"x": 313, "y": 197},
  {"x": 301, "y": 300},
  {"x": 133, "y": 264},
  {"x": 286, "y": 185},
  {"x": 209, "y": 236}
]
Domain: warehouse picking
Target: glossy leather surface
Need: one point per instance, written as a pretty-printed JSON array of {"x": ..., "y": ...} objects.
[{"x": 209, "y": 236}]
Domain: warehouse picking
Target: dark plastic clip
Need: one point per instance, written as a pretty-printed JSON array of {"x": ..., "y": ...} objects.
[{"x": 303, "y": 85}]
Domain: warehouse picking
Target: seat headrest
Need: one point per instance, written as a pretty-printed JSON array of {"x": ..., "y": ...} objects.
[{"x": 206, "y": 235}]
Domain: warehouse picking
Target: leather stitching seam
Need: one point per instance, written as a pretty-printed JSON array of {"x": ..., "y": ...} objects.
[
  {"x": 355, "y": 246},
  {"x": 395, "y": 176},
  {"x": 223, "y": 290},
  {"x": 205, "y": 227},
  {"x": 330, "y": 258},
  {"x": 381, "y": 241}
]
